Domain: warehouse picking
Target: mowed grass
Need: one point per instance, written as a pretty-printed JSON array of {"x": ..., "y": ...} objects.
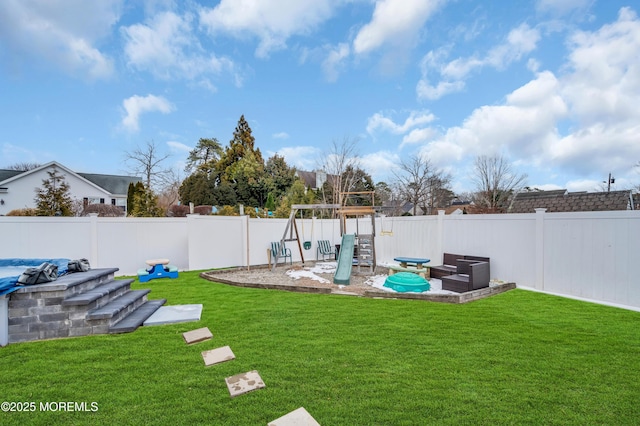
[{"x": 515, "y": 358}]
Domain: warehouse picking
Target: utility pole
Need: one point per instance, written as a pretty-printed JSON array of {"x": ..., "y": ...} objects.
[{"x": 609, "y": 182}]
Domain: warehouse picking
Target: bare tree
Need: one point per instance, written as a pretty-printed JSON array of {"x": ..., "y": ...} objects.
[
  {"x": 342, "y": 157},
  {"x": 496, "y": 182},
  {"x": 169, "y": 193},
  {"x": 147, "y": 163},
  {"x": 422, "y": 185},
  {"x": 24, "y": 166}
]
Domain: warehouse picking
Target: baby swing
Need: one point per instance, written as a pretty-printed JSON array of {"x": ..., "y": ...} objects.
[
  {"x": 307, "y": 241},
  {"x": 383, "y": 231}
]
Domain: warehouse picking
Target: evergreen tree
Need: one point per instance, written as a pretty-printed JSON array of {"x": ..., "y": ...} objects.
[
  {"x": 270, "y": 205},
  {"x": 242, "y": 166},
  {"x": 205, "y": 156},
  {"x": 146, "y": 204},
  {"x": 131, "y": 190},
  {"x": 279, "y": 176},
  {"x": 53, "y": 199},
  {"x": 199, "y": 189}
]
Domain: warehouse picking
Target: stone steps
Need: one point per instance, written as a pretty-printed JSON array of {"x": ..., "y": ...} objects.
[
  {"x": 122, "y": 303},
  {"x": 78, "y": 304},
  {"x": 135, "y": 319},
  {"x": 106, "y": 292}
]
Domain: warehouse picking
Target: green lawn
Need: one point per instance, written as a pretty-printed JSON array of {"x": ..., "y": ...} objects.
[{"x": 515, "y": 358}]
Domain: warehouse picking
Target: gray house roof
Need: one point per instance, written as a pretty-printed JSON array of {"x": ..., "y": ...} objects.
[
  {"x": 7, "y": 174},
  {"x": 114, "y": 184},
  {"x": 563, "y": 201}
]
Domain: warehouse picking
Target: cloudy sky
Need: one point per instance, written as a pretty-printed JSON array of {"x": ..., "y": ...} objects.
[{"x": 552, "y": 85}]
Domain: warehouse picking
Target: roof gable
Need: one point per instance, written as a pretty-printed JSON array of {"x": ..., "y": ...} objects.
[{"x": 111, "y": 184}]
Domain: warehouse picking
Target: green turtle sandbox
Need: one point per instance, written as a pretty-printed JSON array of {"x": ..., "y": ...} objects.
[{"x": 404, "y": 282}]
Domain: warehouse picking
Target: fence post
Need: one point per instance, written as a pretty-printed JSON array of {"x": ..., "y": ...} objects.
[
  {"x": 440, "y": 236},
  {"x": 93, "y": 219},
  {"x": 539, "y": 253},
  {"x": 192, "y": 230}
]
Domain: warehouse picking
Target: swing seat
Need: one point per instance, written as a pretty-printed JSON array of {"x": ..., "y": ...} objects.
[{"x": 325, "y": 249}]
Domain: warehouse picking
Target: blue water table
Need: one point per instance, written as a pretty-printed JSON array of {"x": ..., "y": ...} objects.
[{"x": 158, "y": 268}]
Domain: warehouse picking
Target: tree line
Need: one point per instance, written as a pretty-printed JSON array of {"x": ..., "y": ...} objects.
[{"x": 225, "y": 177}]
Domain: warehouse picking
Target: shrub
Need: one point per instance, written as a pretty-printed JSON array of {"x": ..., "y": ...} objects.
[
  {"x": 203, "y": 210},
  {"x": 178, "y": 210},
  {"x": 103, "y": 210},
  {"x": 23, "y": 212},
  {"x": 228, "y": 211}
]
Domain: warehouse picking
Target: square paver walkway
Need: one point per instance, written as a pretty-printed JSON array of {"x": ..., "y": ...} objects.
[
  {"x": 218, "y": 355},
  {"x": 174, "y": 314},
  {"x": 197, "y": 335},
  {"x": 244, "y": 382},
  {"x": 299, "y": 417}
]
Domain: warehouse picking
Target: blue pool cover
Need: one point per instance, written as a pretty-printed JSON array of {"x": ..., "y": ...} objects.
[{"x": 8, "y": 283}]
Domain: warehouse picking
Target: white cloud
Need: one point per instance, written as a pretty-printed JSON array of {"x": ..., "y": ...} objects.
[
  {"x": 280, "y": 135},
  {"x": 272, "y": 21},
  {"x": 334, "y": 61},
  {"x": 519, "y": 42},
  {"x": 602, "y": 86},
  {"x": 524, "y": 125},
  {"x": 179, "y": 146},
  {"x": 585, "y": 120},
  {"x": 301, "y": 157},
  {"x": 136, "y": 105},
  {"x": 588, "y": 185},
  {"x": 395, "y": 29},
  {"x": 63, "y": 33},
  {"x": 427, "y": 91},
  {"x": 379, "y": 121},
  {"x": 395, "y": 22},
  {"x": 419, "y": 136},
  {"x": 380, "y": 164},
  {"x": 562, "y": 7},
  {"x": 167, "y": 47}
]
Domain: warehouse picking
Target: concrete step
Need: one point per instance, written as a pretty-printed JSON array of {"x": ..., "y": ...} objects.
[
  {"x": 122, "y": 303},
  {"x": 108, "y": 290},
  {"x": 135, "y": 319}
]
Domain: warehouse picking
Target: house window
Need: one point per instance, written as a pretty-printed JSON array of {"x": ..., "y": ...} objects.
[{"x": 93, "y": 200}]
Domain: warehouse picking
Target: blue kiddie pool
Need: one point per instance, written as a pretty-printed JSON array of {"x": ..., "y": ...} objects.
[{"x": 405, "y": 282}]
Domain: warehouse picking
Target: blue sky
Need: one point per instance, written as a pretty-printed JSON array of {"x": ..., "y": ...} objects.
[{"x": 553, "y": 85}]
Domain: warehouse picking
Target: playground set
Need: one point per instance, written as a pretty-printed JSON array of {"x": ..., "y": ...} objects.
[{"x": 356, "y": 252}]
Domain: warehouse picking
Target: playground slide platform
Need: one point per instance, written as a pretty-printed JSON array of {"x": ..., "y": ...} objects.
[{"x": 345, "y": 260}]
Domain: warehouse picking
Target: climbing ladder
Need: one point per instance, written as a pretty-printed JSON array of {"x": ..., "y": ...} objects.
[
  {"x": 365, "y": 252},
  {"x": 365, "y": 257}
]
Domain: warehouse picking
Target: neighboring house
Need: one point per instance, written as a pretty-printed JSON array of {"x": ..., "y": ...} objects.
[
  {"x": 18, "y": 188},
  {"x": 564, "y": 201},
  {"x": 313, "y": 180}
]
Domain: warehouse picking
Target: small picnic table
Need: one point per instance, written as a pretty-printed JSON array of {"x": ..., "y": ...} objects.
[{"x": 412, "y": 261}]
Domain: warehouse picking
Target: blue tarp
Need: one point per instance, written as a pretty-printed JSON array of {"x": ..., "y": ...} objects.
[{"x": 8, "y": 284}]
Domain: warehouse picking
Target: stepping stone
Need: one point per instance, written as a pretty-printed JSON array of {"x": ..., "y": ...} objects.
[
  {"x": 244, "y": 382},
  {"x": 198, "y": 335},
  {"x": 299, "y": 417},
  {"x": 175, "y": 313},
  {"x": 218, "y": 355}
]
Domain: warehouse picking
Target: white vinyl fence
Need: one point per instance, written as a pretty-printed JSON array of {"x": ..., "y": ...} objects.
[{"x": 590, "y": 255}]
